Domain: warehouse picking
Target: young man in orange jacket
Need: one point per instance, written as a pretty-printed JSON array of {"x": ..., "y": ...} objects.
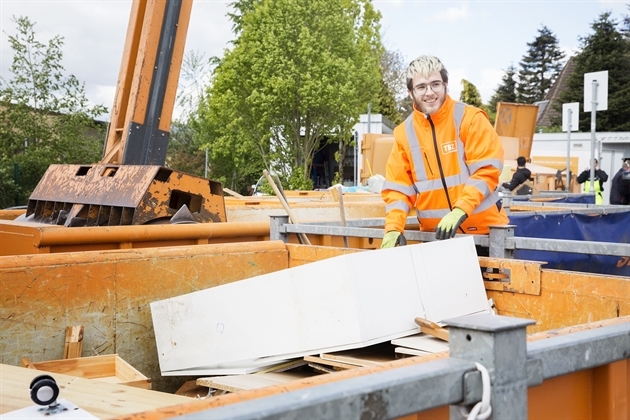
[{"x": 445, "y": 162}]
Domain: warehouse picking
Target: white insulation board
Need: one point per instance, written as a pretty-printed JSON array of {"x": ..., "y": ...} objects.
[{"x": 348, "y": 301}]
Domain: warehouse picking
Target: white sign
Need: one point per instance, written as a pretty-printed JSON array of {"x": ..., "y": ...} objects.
[
  {"x": 601, "y": 77},
  {"x": 574, "y": 107}
]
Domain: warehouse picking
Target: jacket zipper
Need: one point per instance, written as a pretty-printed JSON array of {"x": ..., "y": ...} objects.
[
  {"x": 428, "y": 164},
  {"x": 439, "y": 161}
]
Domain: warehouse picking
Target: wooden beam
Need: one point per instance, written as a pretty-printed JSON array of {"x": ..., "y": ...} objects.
[
  {"x": 431, "y": 328},
  {"x": 73, "y": 346}
]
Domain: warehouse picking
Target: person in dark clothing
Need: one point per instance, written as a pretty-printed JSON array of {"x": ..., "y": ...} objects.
[
  {"x": 521, "y": 175},
  {"x": 620, "y": 188},
  {"x": 600, "y": 176}
]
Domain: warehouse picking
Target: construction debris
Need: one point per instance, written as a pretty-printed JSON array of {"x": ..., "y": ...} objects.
[{"x": 345, "y": 302}]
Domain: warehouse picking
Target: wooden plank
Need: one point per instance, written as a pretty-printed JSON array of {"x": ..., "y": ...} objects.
[
  {"x": 431, "y": 328},
  {"x": 190, "y": 389},
  {"x": 108, "y": 368},
  {"x": 236, "y": 383},
  {"x": 73, "y": 346},
  {"x": 323, "y": 368},
  {"x": 326, "y": 362},
  {"x": 101, "y": 399},
  {"x": 26, "y": 363}
]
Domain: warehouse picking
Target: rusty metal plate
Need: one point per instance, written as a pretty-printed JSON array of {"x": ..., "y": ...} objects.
[{"x": 113, "y": 195}]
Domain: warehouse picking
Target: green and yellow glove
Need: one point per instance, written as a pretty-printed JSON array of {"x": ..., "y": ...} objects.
[
  {"x": 390, "y": 238},
  {"x": 447, "y": 228}
]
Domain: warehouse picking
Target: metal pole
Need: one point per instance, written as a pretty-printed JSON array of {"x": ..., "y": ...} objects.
[
  {"x": 357, "y": 160},
  {"x": 569, "y": 152},
  {"x": 16, "y": 179},
  {"x": 276, "y": 228},
  {"x": 205, "y": 173},
  {"x": 499, "y": 344},
  {"x": 369, "y": 116},
  {"x": 498, "y": 236},
  {"x": 593, "y": 113}
]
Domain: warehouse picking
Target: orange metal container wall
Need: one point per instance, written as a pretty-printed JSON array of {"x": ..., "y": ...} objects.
[
  {"x": 109, "y": 292},
  {"x": 567, "y": 298}
]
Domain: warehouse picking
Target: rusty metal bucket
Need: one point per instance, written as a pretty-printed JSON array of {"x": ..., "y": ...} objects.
[{"x": 116, "y": 195}]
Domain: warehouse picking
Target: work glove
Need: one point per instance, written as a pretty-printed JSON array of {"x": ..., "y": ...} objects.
[
  {"x": 390, "y": 238},
  {"x": 450, "y": 223}
]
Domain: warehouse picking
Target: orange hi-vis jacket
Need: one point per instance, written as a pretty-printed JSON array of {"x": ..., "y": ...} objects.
[{"x": 450, "y": 159}]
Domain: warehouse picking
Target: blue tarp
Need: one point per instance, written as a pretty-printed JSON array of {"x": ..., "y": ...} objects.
[
  {"x": 613, "y": 227},
  {"x": 580, "y": 199}
]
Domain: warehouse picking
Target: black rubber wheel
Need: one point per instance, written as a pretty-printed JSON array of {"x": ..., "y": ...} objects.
[
  {"x": 37, "y": 378},
  {"x": 44, "y": 390}
]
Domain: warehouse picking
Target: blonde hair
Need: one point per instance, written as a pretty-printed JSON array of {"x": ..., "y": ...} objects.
[{"x": 425, "y": 65}]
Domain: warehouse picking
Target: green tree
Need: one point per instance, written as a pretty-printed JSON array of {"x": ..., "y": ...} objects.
[
  {"x": 393, "y": 74},
  {"x": 184, "y": 150},
  {"x": 298, "y": 76},
  {"x": 605, "y": 49},
  {"x": 184, "y": 153},
  {"x": 387, "y": 104},
  {"x": 506, "y": 91},
  {"x": 470, "y": 95},
  {"x": 45, "y": 117},
  {"x": 540, "y": 67}
]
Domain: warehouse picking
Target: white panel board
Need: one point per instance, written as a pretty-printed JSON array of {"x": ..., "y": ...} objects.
[
  {"x": 422, "y": 342},
  {"x": 601, "y": 77},
  {"x": 344, "y": 302}
]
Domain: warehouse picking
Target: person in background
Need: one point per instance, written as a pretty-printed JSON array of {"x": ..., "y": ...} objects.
[
  {"x": 445, "y": 162},
  {"x": 620, "y": 188},
  {"x": 600, "y": 178},
  {"x": 521, "y": 174}
]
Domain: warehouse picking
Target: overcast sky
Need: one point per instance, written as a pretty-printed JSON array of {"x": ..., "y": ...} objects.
[{"x": 476, "y": 40}]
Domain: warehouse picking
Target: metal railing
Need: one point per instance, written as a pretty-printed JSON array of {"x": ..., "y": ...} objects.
[
  {"x": 455, "y": 380},
  {"x": 501, "y": 241}
]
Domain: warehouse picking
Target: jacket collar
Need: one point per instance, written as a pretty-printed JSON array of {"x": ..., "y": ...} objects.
[{"x": 445, "y": 111}]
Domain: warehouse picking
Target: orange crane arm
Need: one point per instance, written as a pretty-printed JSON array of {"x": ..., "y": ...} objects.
[{"x": 147, "y": 83}]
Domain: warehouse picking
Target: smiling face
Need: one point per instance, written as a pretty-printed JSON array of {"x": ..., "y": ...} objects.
[{"x": 422, "y": 94}]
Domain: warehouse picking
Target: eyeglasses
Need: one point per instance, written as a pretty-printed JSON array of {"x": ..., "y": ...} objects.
[{"x": 436, "y": 87}]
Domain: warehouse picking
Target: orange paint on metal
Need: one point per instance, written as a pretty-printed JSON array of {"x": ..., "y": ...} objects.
[
  {"x": 137, "y": 69},
  {"x": 599, "y": 393},
  {"x": 11, "y": 214},
  {"x": 20, "y": 238},
  {"x": 116, "y": 136},
  {"x": 567, "y": 298},
  {"x": 109, "y": 292}
]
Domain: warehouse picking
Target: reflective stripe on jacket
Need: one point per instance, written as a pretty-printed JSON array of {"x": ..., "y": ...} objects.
[
  {"x": 599, "y": 197},
  {"x": 452, "y": 158}
]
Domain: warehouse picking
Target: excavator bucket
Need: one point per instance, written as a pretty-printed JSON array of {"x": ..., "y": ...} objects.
[{"x": 115, "y": 195}]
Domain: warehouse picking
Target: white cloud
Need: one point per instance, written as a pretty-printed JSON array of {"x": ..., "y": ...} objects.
[
  {"x": 490, "y": 80},
  {"x": 451, "y": 14}
]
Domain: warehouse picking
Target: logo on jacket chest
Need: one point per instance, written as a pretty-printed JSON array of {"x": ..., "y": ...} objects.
[{"x": 450, "y": 147}]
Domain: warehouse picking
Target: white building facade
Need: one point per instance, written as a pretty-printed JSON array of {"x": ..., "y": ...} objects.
[{"x": 610, "y": 148}]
